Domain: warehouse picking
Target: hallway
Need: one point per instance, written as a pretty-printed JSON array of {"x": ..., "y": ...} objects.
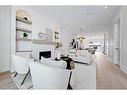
[{"x": 109, "y": 75}]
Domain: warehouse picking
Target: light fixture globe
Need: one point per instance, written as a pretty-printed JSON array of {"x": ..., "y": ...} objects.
[{"x": 81, "y": 37}]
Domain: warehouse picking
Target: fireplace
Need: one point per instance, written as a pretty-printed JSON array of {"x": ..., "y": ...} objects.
[{"x": 45, "y": 54}]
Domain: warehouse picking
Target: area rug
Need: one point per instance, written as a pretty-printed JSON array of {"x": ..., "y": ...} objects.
[
  {"x": 84, "y": 78},
  {"x": 18, "y": 79}
]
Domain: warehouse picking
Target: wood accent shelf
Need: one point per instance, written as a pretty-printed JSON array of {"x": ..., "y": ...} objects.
[
  {"x": 23, "y": 20},
  {"x": 36, "y": 41},
  {"x": 23, "y": 39},
  {"x": 24, "y": 30},
  {"x": 56, "y": 32},
  {"x": 24, "y": 51},
  {"x": 56, "y": 38},
  {"x": 94, "y": 45}
]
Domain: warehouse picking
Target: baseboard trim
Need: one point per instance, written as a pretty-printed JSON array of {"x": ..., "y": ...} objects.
[
  {"x": 3, "y": 69},
  {"x": 124, "y": 69}
]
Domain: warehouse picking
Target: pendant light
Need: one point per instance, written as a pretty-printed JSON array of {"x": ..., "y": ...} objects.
[{"x": 81, "y": 35}]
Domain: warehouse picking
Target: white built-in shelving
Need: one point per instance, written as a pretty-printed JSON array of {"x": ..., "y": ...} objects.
[{"x": 23, "y": 27}]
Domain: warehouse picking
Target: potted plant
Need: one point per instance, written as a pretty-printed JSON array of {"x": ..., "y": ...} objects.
[
  {"x": 58, "y": 44},
  {"x": 25, "y": 35}
]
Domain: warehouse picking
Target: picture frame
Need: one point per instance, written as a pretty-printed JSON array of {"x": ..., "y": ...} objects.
[{"x": 42, "y": 36}]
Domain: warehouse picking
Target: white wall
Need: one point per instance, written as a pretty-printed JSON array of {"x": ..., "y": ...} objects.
[
  {"x": 66, "y": 38},
  {"x": 4, "y": 38},
  {"x": 123, "y": 39},
  {"x": 106, "y": 43},
  {"x": 110, "y": 30},
  {"x": 123, "y": 13}
]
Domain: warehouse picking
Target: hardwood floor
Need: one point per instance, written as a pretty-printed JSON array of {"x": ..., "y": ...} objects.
[
  {"x": 108, "y": 75},
  {"x": 6, "y": 81}
]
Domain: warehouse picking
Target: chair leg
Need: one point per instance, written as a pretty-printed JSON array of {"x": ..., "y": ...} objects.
[
  {"x": 30, "y": 86},
  {"x": 15, "y": 74},
  {"x": 69, "y": 85},
  {"x": 25, "y": 77}
]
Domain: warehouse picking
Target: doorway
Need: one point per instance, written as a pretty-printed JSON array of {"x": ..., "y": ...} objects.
[{"x": 117, "y": 44}]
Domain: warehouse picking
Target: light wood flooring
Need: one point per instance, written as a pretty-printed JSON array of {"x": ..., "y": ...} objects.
[
  {"x": 108, "y": 75},
  {"x": 6, "y": 81}
]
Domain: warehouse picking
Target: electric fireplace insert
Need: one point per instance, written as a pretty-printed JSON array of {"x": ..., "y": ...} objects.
[{"x": 45, "y": 54}]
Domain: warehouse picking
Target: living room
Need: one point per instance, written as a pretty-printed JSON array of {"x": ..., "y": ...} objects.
[{"x": 63, "y": 41}]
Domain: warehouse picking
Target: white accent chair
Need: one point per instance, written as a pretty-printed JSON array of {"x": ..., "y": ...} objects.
[
  {"x": 46, "y": 76},
  {"x": 21, "y": 65}
]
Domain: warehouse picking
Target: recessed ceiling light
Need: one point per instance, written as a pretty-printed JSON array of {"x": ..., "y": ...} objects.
[
  {"x": 106, "y": 7},
  {"x": 88, "y": 13},
  {"x": 66, "y": 21}
]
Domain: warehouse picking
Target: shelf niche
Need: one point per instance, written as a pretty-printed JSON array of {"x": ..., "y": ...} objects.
[
  {"x": 23, "y": 30},
  {"x": 25, "y": 19},
  {"x": 23, "y": 39}
]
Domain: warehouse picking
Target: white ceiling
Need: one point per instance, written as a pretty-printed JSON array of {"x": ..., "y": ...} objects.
[{"x": 94, "y": 19}]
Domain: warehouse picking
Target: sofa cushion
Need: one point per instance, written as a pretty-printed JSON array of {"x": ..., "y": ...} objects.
[{"x": 61, "y": 64}]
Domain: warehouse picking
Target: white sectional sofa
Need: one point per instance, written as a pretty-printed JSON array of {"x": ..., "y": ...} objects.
[
  {"x": 81, "y": 56},
  {"x": 49, "y": 74}
]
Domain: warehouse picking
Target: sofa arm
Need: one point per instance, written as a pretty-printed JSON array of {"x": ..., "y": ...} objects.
[{"x": 61, "y": 64}]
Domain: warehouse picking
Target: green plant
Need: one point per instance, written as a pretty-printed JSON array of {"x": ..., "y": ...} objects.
[
  {"x": 58, "y": 44},
  {"x": 24, "y": 35}
]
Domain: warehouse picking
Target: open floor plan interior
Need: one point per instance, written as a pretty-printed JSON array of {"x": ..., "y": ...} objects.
[{"x": 63, "y": 47}]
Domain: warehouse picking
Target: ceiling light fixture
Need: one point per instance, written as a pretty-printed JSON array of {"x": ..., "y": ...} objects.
[
  {"x": 106, "y": 7},
  {"x": 66, "y": 21},
  {"x": 81, "y": 39},
  {"x": 88, "y": 13},
  {"x": 81, "y": 35}
]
